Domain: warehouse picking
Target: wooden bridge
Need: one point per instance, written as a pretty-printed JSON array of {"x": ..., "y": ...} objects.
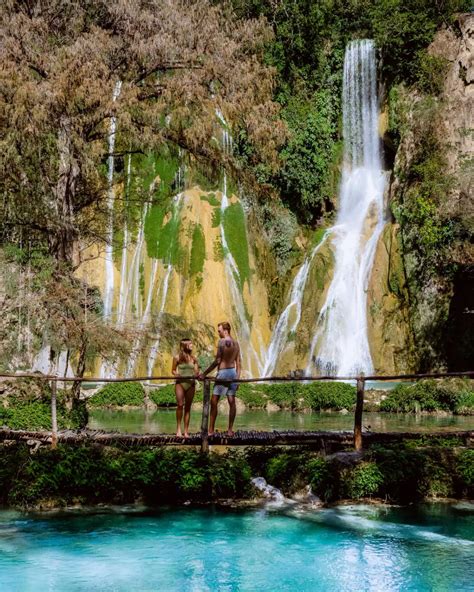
[
  {"x": 323, "y": 440},
  {"x": 326, "y": 441}
]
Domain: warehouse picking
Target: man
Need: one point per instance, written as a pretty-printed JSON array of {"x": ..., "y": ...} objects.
[{"x": 228, "y": 362}]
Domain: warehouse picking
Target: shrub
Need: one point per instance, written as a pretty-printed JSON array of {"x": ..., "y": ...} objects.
[
  {"x": 252, "y": 395},
  {"x": 465, "y": 469},
  {"x": 431, "y": 72},
  {"x": 363, "y": 480},
  {"x": 283, "y": 394},
  {"x": 24, "y": 414},
  {"x": 94, "y": 474},
  {"x": 330, "y": 395},
  {"x": 285, "y": 471},
  {"x": 321, "y": 478},
  {"x": 465, "y": 403},
  {"x": 118, "y": 394},
  {"x": 164, "y": 396},
  {"x": 431, "y": 395}
]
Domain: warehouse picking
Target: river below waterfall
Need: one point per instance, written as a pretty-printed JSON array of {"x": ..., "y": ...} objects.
[
  {"x": 429, "y": 547},
  {"x": 163, "y": 421}
]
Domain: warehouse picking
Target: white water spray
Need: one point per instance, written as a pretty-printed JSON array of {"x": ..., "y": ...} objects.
[
  {"x": 156, "y": 344},
  {"x": 123, "y": 294},
  {"x": 109, "y": 264},
  {"x": 291, "y": 314},
  {"x": 249, "y": 353},
  {"x": 341, "y": 343}
]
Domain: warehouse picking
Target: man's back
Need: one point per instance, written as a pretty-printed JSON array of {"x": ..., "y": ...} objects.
[{"x": 228, "y": 350}]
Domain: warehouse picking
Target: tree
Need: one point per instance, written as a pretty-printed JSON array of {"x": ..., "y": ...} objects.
[{"x": 160, "y": 67}]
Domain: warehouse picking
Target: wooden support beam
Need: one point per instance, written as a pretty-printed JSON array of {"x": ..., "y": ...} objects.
[
  {"x": 206, "y": 400},
  {"x": 54, "y": 416},
  {"x": 358, "y": 413}
]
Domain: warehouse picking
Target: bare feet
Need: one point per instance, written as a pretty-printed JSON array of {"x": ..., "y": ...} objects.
[
  {"x": 210, "y": 433},
  {"x": 179, "y": 434},
  {"x": 186, "y": 435},
  {"x": 230, "y": 433}
]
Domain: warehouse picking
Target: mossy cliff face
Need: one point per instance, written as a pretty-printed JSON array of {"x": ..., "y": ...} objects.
[
  {"x": 388, "y": 319},
  {"x": 173, "y": 281},
  {"x": 431, "y": 197}
]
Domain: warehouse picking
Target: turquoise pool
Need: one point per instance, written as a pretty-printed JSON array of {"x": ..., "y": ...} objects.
[{"x": 297, "y": 549}]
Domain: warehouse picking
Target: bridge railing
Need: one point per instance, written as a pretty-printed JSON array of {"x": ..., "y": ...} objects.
[{"x": 360, "y": 380}]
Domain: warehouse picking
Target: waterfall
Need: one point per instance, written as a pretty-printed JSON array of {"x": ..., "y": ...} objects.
[
  {"x": 249, "y": 353},
  {"x": 282, "y": 329},
  {"x": 233, "y": 277},
  {"x": 156, "y": 344},
  {"x": 109, "y": 264},
  {"x": 123, "y": 294},
  {"x": 146, "y": 317},
  {"x": 341, "y": 342}
]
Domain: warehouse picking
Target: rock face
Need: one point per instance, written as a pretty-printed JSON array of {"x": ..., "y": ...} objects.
[
  {"x": 441, "y": 307},
  {"x": 188, "y": 293},
  {"x": 388, "y": 320}
]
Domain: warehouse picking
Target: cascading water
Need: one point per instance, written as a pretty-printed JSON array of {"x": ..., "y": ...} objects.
[
  {"x": 291, "y": 314},
  {"x": 109, "y": 264},
  {"x": 108, "y": 370},
  {"x": 341, "y": 342},
  {"x": 156, "y": 344},
  {"x": 146, "y": 317},
  {"x": 122, "y": 306},
  {"x": 232, "y": 270}
]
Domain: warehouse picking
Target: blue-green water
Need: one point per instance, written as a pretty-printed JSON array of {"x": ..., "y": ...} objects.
[
  {"x": 344, "y": 548},
  {"x": 163, "y": 421}
]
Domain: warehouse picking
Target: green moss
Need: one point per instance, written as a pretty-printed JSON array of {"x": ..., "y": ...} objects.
[
  {"x": 163, "y": 240},
  {"x": 216, "y": 217},
  {"x": 118, "y": 394},
  {"x": 236, "y": 236},
  {"x": 211, "y": 199},
  {"x": 318, "y": 236},
  {"x": 218, "y": 250},
  {"x": 198, "y": 251}
]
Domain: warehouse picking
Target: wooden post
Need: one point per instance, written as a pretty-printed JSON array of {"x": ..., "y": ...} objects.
[
  {"x": 206, "y": 399},
  {"x": 54, "y": 417},
  {"x": 358, "y": 413}
]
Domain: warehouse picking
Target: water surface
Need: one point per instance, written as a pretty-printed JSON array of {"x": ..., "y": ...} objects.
[
  {"x": 346, "y": 548},
  {"x": 163, "y": 421}
]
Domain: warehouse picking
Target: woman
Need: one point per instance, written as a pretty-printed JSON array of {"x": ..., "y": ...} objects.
[{"x": 185, "y": 367}]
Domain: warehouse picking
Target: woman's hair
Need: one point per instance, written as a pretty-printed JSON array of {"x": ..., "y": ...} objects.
[
  {"x": 225, "y": 325},
  {"x": 183, "y": 355}
]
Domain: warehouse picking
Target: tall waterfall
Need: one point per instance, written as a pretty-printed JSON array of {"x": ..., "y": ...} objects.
[
  {"x": 109, "y": 264},
  {"x": 341, "y": 343},
  {"x": 249, "y": 353},
  {"x": 291, "y": 314}
]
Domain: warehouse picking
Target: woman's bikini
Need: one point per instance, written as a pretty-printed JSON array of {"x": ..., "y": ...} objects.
[{"x": 186, "y": 369}]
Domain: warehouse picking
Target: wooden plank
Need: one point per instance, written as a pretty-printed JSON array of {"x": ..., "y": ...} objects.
[
  {"x": 358, "y": 413},
  {"x": 206, "y": 399},
  {"x": 54, "y": 416}
]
